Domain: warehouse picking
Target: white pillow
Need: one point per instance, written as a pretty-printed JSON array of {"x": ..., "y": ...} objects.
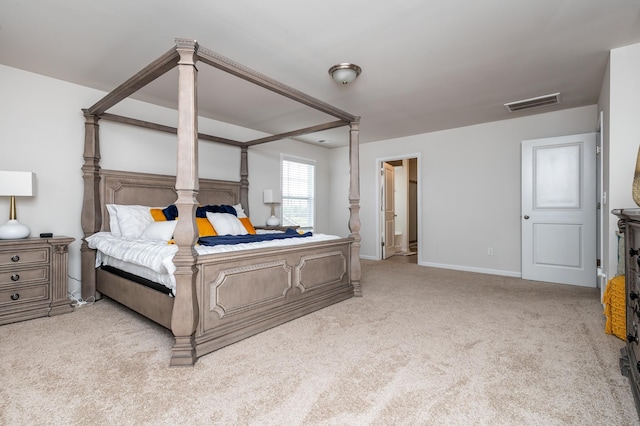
[
  {"x": 133, "y": 219},
  {"x": 226, "y": 224},
  {"x": 239, "y": 211},
  {"x": 160, "y": 230},
  {"x": 113, "y": 220}
]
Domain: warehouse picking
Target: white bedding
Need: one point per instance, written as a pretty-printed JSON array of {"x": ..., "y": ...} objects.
[
  {"x": 154, "y": 259},
  {"x": 166, "y": 279}
]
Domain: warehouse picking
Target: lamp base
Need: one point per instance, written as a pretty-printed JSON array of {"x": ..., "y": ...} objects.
[
  {"x": 14, "y": 230},
  {"x": 273, "y": 221}
]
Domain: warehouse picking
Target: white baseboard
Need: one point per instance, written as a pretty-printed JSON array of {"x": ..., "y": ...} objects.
[
  {"x": 472, "y": 269},
  {"x": 368, "y": 257},
  {"x": 602, "y": 278}
]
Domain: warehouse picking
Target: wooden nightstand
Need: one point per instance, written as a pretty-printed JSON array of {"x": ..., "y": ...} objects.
[{"x": 33, "y": 278}]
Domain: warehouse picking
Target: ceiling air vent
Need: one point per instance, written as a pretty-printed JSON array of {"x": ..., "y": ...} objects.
[{"x": 546, "y": 100}]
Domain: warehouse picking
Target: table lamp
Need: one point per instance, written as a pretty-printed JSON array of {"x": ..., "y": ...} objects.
[
  {"x": 15, "y": 184},
  {"x": 270, "y": 198}
]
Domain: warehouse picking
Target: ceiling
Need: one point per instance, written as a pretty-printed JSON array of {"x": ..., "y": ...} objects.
[{"x": 427, "y": 65}]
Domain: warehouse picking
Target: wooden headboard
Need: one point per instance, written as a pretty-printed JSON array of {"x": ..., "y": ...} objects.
[{"x": 117, "y": 187}]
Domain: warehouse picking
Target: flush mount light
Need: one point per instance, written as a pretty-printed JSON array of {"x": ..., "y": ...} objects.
[{"x": 344, "y": 73}]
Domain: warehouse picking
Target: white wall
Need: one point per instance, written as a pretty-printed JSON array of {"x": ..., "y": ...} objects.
[
  {"x": 469, "y": 188},
  {"x": 42, "y": 130},
  {"x": 265, "y": 159},
  {"x": 623, "y": 135}
]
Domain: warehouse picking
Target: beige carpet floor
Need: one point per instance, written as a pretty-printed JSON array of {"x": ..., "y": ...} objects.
[{"x": 422, "y": 347}]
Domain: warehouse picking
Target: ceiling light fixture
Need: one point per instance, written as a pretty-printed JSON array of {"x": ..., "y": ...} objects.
[{"x": 344, "y": 73}]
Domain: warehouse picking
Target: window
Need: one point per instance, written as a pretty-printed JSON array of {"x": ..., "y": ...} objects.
[{"x": 298, "y": 192}]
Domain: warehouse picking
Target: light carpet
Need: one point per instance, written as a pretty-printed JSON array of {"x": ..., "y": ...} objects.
[{"x": 424, "y": 346}]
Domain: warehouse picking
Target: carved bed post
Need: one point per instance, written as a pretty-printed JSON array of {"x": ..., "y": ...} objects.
[
  {"x": 91, "y": 218},
  {"x": 244, "y": 180},
  {"x": 354, "y": 205},
  {"x": 185, "y": 310}
]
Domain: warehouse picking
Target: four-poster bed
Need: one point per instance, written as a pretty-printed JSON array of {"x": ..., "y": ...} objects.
[{"x": 222, "y": 297}]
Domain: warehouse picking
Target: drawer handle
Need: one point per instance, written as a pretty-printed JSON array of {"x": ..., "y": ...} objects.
[
  {"x": 15, "y": 258},
  {"x": 15, "y": 277},
  {"x": 15, "y": 296}
]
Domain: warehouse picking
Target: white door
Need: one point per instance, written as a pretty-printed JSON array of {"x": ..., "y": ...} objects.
[
  {"x": 559, "y": 210},
  {"x": 388, "y": 207}
]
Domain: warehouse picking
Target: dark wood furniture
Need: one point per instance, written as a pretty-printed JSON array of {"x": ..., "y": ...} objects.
[
  {"x": 629, "y": 225},
  {"x": 33, "y": 278},
  {"x": 219, "y": 298}
]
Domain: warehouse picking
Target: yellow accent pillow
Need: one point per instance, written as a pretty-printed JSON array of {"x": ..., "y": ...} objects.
[
  {"x": 157, "y": 215},
  {"x": 248, "y": 225},
  {"x": 205, "y": 229}
]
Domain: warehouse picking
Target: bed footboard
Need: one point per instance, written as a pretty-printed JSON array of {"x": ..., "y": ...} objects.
[{"x": 243, "y": 294}]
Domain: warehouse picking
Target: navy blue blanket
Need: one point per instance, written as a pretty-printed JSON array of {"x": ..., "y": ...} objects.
[
  {"x": 250, "y": 238},
  {"x": 171, "y": 212}
]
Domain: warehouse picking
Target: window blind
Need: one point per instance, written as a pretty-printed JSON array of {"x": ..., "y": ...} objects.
[{"x": 298, "y": 192}]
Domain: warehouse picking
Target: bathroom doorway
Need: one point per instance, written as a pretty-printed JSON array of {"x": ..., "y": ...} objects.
[{"x": 399, "y": 207}]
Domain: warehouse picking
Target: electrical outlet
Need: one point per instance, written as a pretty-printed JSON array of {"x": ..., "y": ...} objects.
[{"x": 490, "y": 251}]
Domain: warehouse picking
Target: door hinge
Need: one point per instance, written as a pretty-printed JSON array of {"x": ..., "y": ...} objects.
[
  {"x": 382, "y": 243},
  {"x": 598, "y": 149}
]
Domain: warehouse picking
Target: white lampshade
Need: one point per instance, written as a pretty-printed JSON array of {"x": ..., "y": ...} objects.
[
  {"x": 270, "y": 196},
  {"x": 18, "y": 184},
  {"x": 267, "y": 196},
  {"x": 15, "y": 184}
]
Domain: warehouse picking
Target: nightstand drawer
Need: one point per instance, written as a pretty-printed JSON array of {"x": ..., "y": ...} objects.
[
  {"x": 24, "y": 294},
  {"x": 34, "y": 278},
  {"x": 24, "y": 276},
  {"x": 24, "y": 257}
]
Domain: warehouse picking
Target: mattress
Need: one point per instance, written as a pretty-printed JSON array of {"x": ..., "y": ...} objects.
[{"x": 153, "y": 260}]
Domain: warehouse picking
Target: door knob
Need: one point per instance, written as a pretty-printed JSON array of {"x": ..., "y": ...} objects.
[{"x": 526, "y": 216}]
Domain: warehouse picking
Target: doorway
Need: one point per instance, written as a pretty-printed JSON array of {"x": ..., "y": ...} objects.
[{"x": 399, "y": 206}]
